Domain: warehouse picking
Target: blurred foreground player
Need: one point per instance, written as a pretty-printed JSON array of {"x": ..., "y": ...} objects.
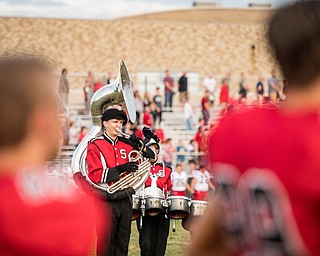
[
  {"x": 37, "y": 216},
  {"x": 269, "y": 165}
]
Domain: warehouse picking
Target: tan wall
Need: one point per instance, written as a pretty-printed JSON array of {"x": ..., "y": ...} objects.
[{"x": 199, "y": 40}]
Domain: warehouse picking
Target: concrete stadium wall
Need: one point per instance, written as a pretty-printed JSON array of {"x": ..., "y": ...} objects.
[{"x": 200, "y": 40}]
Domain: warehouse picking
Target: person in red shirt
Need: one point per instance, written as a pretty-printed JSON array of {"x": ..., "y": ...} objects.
[
  {"x": 38, "y": 215},
  {"x": 224, "y": 94},
  {"x": 98, "y": 85},
  {"x": 267, "y": 160},
  {"x": 147, "y": 117},
  {"x": 107, "y": 158},
  {"x": 205, "y": 106},
  {"x": 83, "y": 133},
  {"x": 155, "y": 230}
]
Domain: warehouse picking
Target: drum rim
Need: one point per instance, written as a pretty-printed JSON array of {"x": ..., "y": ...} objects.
[
  {"x": 179, "y": 197},
  {"x": 200, "y": 201},
  {"x": 158, "y": 197}
]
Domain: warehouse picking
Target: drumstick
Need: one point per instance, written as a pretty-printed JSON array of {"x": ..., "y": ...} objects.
[
  {"x": 141, "y": 222},
  {"x": 174, "y": 226},
  {"x": 142, "y": 207}
]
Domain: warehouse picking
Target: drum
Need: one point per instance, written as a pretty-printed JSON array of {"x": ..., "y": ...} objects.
[
  {"x": 197, "y": 209},
  {"x": 154, "y": 205},
  {"x": 179, "y": 207},
  {"x": 136, "y": 211}
]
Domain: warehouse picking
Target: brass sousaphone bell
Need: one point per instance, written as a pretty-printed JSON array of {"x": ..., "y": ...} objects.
[{"x": 120, "y": 93}]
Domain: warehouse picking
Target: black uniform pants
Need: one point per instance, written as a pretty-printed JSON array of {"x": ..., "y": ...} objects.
[
  {"x": 118, "y": 242},
  {"x": 153, "y": 235}
]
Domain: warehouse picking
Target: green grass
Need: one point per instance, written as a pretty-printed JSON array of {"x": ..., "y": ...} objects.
[{"x": 176, "y": 244}]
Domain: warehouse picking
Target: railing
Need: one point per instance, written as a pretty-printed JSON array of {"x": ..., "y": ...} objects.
[{"x": 65, "y": 156}]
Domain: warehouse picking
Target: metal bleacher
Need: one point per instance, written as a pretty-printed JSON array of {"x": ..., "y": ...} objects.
[{"x": 173, "y": 125}]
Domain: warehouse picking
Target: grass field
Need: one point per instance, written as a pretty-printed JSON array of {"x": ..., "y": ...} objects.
[{"x": 176, "y": 245}]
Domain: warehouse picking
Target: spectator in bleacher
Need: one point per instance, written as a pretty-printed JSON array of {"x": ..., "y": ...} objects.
[
  {"x": 169, "y": 90},
  {"x": 83, "y": 133},
  {"x": 73, "y": 134},
  {"x": 260, "y": 89},
  {"x": 90, "y": 79},
  {"x": 198, "y": 138},
  {"x": 64, "y": 88},
  {"x": 146, "y": 100},
  {"x": 128, "y": 128},
  {"x": 243, "y": 87},
  {"x": 158, "y": 102},
  {"x": 139, "y": 106},
  {"x": 87, "y": 96},
  {"x": 183, "y": 87},
  {"x": 188, "y": 114},
  {"x": 274, "y": 87},
  {"x": 65, "y": 132},
  {"x": 192, "y": 148},
  {"x": 147, "y": 117},
  {"x": 181, "y": 149},
  {"x": 224, "y": 94},
  {"x": 168, "y": 150},
  {"x": 153, "y": 112},
  {"x": 98, "y": 84},
  {"x": 88, "y": 90},
  {"x": 200, "y": 123},
  {"x": 160, "y": 134},
  {"x": 109, "y": 78},
  {"x": 205, "y": 105},
  {"x": 210, "y": 84}
]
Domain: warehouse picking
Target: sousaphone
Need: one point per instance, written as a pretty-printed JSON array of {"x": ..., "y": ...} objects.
[{"x": 120, "y": 93}]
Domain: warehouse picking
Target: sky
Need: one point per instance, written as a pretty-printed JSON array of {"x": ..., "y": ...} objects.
[{"x": 107, "y": 9}]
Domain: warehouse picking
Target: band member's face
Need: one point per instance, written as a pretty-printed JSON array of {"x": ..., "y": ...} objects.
[{"x": 112, "y": 126}]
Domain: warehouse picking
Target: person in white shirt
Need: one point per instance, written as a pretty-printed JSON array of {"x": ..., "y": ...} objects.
[
  {"x": 179, "y": 180},
  {"x": 188, "y": 113},
  {"x": 73, "y": 134},
  {"x": 210, "y": 84},
  {"x": 201, "y": 183}
]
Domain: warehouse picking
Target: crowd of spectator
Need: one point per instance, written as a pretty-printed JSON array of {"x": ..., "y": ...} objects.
[{"x": 150, "y": 108}]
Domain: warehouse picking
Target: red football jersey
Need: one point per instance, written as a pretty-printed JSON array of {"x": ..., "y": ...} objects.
[
  {"x": 42, "y": 216},
  {"x": 268, "y": 164},
  {"x": 104, "y": 153}
]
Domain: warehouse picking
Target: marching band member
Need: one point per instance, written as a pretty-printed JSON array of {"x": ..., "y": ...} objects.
[
  {"x": 107, "y": 158},
  {"x": 179, "y": 181},
  {"x": 154, "y": 233},
  {"x": 38, "y": 216},
  {"x": 201, "y": 183}
]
